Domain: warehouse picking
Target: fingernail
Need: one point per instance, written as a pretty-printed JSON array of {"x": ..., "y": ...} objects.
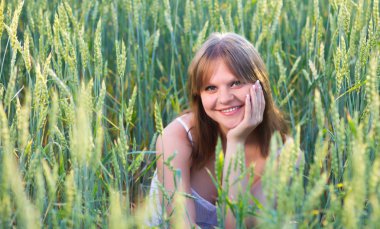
[{"x": 258, "y": 84}]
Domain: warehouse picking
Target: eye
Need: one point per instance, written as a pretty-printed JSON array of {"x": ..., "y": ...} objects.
[
  {"x": 210, "y": 88},
  {"x": 236, "y": 83}
]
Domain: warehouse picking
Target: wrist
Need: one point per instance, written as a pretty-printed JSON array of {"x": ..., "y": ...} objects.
[
  {"x": 234, "y": 140},
  {"x": 234, "y": 145}
]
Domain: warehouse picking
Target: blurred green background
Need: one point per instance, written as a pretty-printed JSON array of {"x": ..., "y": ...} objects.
[{"x": 86, "y": 87}]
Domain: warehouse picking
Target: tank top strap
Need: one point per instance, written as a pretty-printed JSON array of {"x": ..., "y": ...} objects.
[{"x": 180, "y": 120}]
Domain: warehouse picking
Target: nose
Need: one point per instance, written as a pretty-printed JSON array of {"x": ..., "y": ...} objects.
[{"x": 225, "y": 96}]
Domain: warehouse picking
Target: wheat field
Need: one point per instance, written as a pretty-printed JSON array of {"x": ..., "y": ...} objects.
[{"x": 87, "y": 86}]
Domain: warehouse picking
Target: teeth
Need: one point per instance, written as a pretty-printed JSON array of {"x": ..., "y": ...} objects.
[{"x": 230, "y": 109}]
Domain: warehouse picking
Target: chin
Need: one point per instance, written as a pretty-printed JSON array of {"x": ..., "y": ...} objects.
[{"x": 229, "y": 126}]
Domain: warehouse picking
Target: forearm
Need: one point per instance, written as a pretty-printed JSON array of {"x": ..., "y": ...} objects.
[
  {"x": 174, "y": 157},
  {"x": 180, "y": 208},
  {"x": 231, "y": 177},
  {"x": 231, "y": 174},
  {"x": 184, "y": 213}
]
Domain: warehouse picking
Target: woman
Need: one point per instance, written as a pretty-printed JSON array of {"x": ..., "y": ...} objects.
[{"x": 230, "y": 98}]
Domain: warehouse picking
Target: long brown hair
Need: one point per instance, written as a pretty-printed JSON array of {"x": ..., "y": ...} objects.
[{"x": 246, "y": 64}]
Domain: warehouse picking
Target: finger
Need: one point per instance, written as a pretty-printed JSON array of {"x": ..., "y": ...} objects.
[
  {"x": 258, "y": 104},
  {"x": 248, "y": 110},
  {"x": 253, "y": 101},
  {"x": 258, "y": 94},
  {"x": 261, "y": 102},
  {"x": 262, "y": 98}
]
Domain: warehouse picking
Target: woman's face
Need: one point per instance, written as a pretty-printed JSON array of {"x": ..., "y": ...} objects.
[{"x": 223, "y": 97}]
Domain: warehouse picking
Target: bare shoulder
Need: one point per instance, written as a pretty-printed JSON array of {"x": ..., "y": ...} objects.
[
  {"x": 177, "y": 130},
  {"x": 175, "y": 138},
  {"x": 188, "y": 119}
]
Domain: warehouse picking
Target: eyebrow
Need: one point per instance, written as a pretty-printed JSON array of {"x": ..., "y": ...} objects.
[{"x": 228, "y": 82}]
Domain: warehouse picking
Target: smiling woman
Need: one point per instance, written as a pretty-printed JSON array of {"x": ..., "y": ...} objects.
[
  {"x": 222, "y": 56},
  {"x": 223, "y": 97},
  {"x": 231, "y": 99}
]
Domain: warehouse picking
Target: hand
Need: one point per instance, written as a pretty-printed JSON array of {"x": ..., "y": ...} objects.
[{"x": 253, "y": 115}]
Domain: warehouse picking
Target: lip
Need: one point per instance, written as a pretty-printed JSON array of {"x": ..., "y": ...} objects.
[{"x": 230, "y": 110}]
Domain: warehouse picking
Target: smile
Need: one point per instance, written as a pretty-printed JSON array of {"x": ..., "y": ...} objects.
[{"x": 230, "y": 110}]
